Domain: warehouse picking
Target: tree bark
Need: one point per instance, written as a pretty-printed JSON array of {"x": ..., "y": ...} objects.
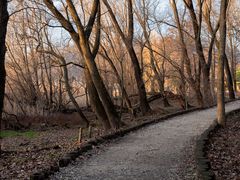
[
  {"x": 95, "y": 102},
  {"x": 213, "y": 74},
  {"x": 233, "y": 62},
  {"x": 144, "y": 106},
  {"x": 4, "y": 16},
  {"x": 229, "y": 78},
  {"x": 220, "y": 92},
  {"x": 100, "y": 87}
]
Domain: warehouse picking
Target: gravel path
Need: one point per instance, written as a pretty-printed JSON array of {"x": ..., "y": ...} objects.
[{"x": 155, "y": 152}]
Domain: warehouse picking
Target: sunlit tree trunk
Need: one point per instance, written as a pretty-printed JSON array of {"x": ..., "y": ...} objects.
[{"x": 220, "y": 92}]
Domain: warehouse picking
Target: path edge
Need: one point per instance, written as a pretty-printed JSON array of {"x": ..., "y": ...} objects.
[{"x": 203, "y": 167}]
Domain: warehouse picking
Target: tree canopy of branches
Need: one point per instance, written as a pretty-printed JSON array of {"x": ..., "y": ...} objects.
[{"x": 113, "y": 56}]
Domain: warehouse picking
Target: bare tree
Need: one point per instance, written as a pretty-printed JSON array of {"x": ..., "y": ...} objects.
[
  {"x": 213, "y": 31},
  {"x": 205, "y": 65},
  {"x": 63, "y": 64},
  {"x": 194, "y": 83},
  {"x": 128, "y": 41},
  {"x": 143, "y": 16},
  {"x": 81, "y": 39}
]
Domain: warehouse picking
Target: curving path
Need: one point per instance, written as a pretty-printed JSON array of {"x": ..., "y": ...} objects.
[{"x": 154, "y": 152}]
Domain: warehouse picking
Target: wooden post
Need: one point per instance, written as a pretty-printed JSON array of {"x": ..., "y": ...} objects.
[
  {"x": 89, "y": 132},
  {"x": 80, "y": 135}
]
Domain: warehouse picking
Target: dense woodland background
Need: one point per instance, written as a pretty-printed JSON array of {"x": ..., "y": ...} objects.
[{"x": 114, "y": 56}]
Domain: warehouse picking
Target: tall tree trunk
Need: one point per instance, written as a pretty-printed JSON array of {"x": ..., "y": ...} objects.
[
  {"x": 235, "y": 74},
  {"x": 46, "y": 102},
  {"x": 4, "y": 16},
  {"x": 86, "y": 94},
  {"x": 213, "y": 81},
  {"x": 220, "y": 92},
  {"x": 182, "y": 87},
  {"x": 100, "y": 87},
  {"x": 60, "y": 99},
  {"x": 234, "y": 68},
  {"x": 229, "y": 78},
  {"x": 3, "y": 31},
  {"x": 144, "y": 106},
  {"x": 49, "y": 80},
  {"x": 232, "y": 61},
  {"x": 208, "y": 98},
  {"x": 95, "y": 102}
]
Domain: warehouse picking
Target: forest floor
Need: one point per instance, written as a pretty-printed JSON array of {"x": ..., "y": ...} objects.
[
  {"x": 223, "y": 149},
  {"x": 24, "y": 153}
]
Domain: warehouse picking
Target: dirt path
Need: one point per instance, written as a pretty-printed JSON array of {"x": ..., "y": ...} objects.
[{"x": 155, "y": 152}]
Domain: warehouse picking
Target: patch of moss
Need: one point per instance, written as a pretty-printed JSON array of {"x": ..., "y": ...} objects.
[{"x": 9, "y": 133}]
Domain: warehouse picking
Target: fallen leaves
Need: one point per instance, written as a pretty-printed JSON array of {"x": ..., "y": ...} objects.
[{"x": 223, "y": 149}]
